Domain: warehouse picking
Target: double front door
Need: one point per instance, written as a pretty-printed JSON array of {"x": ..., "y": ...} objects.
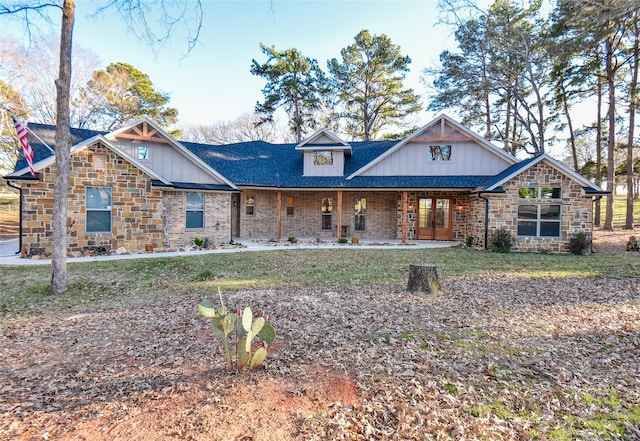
[{"x": 434, "y": 219}]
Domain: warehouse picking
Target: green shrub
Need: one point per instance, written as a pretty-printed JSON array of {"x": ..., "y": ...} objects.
[
  {"x": 292, "y": 239},
  {"x": 198, "y": 242},
  {"x": 579, "y": 243},
  {"x": 470, "y": 240},
  {"x": 343, "y": 240},
  {"x": 632, "y": 244},
  {"x": 502, "y": 241}
]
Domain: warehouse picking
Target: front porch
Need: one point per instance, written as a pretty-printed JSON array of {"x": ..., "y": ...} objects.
[{"x": 383, "y": 215}]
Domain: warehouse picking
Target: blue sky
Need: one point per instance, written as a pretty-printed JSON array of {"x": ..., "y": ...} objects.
[{"x": 213, "y": 83}]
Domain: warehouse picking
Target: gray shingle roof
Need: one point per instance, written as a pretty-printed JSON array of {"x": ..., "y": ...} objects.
[{"x": 262, "y": 164}]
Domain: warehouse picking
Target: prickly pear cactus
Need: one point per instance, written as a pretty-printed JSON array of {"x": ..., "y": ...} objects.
[{"x": 246, "y": 328}]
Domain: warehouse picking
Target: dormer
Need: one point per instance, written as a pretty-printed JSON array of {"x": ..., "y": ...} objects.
[{"x": 324, "y": 154}]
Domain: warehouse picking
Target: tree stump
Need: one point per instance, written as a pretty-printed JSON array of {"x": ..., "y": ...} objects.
[{"x": 423, "y": 277}]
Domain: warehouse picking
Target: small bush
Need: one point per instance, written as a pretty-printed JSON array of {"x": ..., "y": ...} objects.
[
  {"x": 343, "y": 240},
  {"x": 579, "y": 243},
  {"x": 292, "y": 239},
  {"x": 470, "y": 240},
  {"x": 632, "y": 244},
  {"x": 198, "y": 242},
  {"x": 502, "y": 241}
]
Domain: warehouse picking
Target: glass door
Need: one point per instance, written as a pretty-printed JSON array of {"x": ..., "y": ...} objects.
[{"x": 434, "y": 219}]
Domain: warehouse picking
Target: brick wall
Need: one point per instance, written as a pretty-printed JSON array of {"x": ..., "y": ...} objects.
[
  {"x": 138, "y": 213},
  {"x": 217, "y": 225},
  {"x": 306, "y": 220}
]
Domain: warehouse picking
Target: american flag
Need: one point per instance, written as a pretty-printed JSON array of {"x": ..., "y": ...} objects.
[{"x": 26, "y": 148}]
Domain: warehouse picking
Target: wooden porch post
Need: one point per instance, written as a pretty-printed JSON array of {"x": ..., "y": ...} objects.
[
  {"x": 279, "y": 215},
  {"x": 339, "y": 214},
  {"x": 404, "y": 217}
]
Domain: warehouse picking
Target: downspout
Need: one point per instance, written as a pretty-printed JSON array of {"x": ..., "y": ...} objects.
[
  {"x": 486, "y": 220},
  {"x": 20, "y": 225},
  {"x": 593, "y": 203}
]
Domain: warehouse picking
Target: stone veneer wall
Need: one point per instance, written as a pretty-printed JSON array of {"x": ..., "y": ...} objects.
[
  {"x": 306, "y": 219},
  {"x": 217, "y": 223},
  {"x": 576, "y": 209},
  {"x": 136, "y": 207}
]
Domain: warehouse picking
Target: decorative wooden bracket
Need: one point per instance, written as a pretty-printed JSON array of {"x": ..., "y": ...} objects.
[{"x": 143, "y": 132}]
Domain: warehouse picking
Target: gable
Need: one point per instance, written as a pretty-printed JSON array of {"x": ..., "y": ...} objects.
[
  {"x": 532, "y": 164},
  {"x": 148, "y": 145},
  {"x": 440, "y": 148}
]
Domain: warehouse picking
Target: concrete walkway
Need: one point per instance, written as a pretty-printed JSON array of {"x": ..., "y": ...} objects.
[{"x": 9, "y": 255}]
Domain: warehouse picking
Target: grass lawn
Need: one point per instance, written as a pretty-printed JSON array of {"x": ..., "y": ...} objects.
[{"x": 24, "y": 288}]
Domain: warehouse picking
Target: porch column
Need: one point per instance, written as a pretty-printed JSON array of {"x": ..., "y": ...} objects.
[
  {"x": 339, "y": 214},
  {"x": 404, "y": 217},
  {"x": 279, "y": 215}
]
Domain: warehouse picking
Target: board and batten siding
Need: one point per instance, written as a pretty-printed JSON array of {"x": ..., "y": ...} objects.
[
  {"x": 168, "y": 162},
  {"x": 467, "y": 159},
  {"x": 337, "y": 169}
]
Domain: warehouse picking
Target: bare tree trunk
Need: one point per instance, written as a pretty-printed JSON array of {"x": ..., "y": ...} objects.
[
  {"x": 611, "y": 141},
  {"x": 59, "y": 273},
  {"x": 632, "y": 121},
  {"x": 598, "y": 180}
]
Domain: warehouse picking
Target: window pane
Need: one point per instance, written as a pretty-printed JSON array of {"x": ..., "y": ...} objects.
[
  {"x": 360, "y": 210},
  {"x": 326, "y": 221},
  {"x": 527, "y": 228},
  {"x": 527, "y": 192},
  {"x": 323, "y": 158},
  {"x": 550, "y": 212},
  {"x": 195, "y": 219},
  {"x": 195, "y": 201},
  {"x": 551, "y": 193},
  {"x": 550, "y": 229},
  {"x": 250, "y": 204},
  {"x": 98, "y": 198},
  {"x": 440, "y": 152},
  {"x": 98, "y": 221},
  {"x": 143, "y": 152},
  {"x": 290, "y": 205},
  {"x": 327, "y": 206},
  {"x": 527, "y": 212}
]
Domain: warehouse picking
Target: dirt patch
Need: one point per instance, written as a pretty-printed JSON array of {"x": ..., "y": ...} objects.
[{"x": 489, "y": 357}]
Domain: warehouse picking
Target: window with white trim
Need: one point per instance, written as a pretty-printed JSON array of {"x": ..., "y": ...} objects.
[
  {"x": 98, "y": 209},
  {"x": 539, "y": 216},
  {"x": 194, "y": 212},
  {"x": 324, "y": 157},
  {"x": 440, "y": 152}
]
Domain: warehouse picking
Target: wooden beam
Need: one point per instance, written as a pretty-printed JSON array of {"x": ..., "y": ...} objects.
[
  {"x": 442, "y": 138},
  {"x": 339, "y": 214},
  {"x": 279, "y": 215},
  {"x": 143, "y": 138}
]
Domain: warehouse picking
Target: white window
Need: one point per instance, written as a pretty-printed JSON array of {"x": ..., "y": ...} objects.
[
  {"x": 143, "y": 152},
  {"x": 323, "y": 158},
  {"x": 195, "y": 211},
  {"x": 538, "y": 217},
  {"x": 440, "y": 152},
  {"x": 98, "y": 209}
]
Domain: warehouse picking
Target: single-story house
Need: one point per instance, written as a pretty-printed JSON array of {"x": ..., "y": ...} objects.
[{"x": 137, "y": 187}]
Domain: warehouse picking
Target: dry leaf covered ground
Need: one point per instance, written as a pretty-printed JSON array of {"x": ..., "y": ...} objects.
[{"x": 489, "y": 357}]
